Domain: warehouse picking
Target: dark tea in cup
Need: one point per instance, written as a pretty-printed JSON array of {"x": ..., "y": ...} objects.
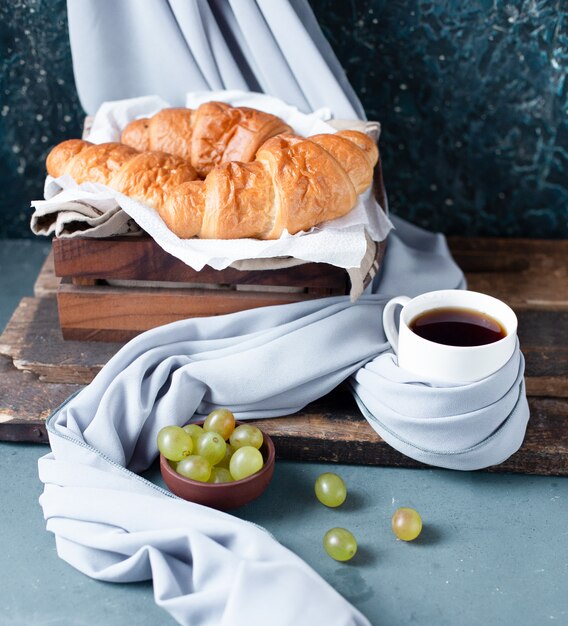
[{"x": 456, "y": 326}]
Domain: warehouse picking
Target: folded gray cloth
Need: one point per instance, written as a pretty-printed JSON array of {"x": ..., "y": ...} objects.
[{"x": 209, "y": 567}]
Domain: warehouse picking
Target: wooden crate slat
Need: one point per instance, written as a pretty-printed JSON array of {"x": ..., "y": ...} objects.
[
  {"x": 120, "y": 313},
  {"x": 140, "y": 258}
]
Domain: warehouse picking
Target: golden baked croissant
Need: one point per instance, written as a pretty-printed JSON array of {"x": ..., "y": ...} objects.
[
  {"x": 146, "y": 176},
  {"x": 213, "y": 133},
  {"x": 293, "y": 184}
]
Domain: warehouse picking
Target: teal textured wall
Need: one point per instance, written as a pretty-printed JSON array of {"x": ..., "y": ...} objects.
[{"x": 473, "y": 98}]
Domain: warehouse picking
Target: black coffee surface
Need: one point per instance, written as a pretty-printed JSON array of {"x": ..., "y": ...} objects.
[{"x": 454, "y": 326}]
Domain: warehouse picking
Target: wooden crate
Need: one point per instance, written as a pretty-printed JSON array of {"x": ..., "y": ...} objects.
[
  {"x": 96, "y": 304},
  {"x": 113, "y": 289}
]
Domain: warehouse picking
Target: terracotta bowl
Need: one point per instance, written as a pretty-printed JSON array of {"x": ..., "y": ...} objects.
[{"x": 222, "y": 496}]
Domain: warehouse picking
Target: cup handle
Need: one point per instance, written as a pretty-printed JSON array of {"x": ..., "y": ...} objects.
[{"x": 389, "y": 324}]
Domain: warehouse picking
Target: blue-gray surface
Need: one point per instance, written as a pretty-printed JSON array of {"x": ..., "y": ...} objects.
[
  {"x": 472, "y": 96},
  {"x": 494, "y": 549}
]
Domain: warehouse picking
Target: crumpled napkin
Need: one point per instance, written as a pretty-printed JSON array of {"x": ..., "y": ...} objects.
[{"x": 87, "y": 212}]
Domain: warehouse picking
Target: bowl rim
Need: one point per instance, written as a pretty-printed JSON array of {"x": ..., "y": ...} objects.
[{"x": 270, "y": 459}]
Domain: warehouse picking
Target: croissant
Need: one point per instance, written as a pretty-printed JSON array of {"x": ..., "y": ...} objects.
[
  {"x": 213, "y": 133},
  {"x": 293, "y": 184},
  {"x": 146, "y": 176}
]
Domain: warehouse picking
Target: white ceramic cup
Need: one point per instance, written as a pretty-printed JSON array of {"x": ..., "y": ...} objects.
[{"x": 441, "y": 362}]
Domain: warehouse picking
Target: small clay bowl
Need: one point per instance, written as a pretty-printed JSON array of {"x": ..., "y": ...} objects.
[{"x": 222, "y": 496}]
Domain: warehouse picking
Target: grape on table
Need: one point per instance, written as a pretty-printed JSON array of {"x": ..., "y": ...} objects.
[
  {"x": 340, "y": 544},
  {"x": 406, "y": 523},
  {"x": 330, "y": 489}
]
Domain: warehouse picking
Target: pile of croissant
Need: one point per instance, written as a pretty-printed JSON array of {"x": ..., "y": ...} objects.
[{"x": 223, "y": 172}]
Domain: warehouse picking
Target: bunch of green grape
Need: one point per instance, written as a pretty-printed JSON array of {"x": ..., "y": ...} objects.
[
  {"x": 340, "y": 543},
  {"x": 217, "y": 452}
]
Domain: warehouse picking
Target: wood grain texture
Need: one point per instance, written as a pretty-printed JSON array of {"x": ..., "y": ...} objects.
[
  {"x": 93, "y": 307},
  {"x": 47, "y": 282},
  {"x": 332, "y": 429},
  {"x": 106, "y": 313},
  {"x": 25, "y": 403},
  {"x": 33, "y": 341},
  {"x": 141, "y": 258},
  {"x": 525, "y": 273}
]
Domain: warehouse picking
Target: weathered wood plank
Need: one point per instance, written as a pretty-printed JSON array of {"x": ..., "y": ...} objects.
[
  {"x": 525, "y": 273},
  {"x": 33, "y": 340},
  {"x": 25, "y": 403},
  {"x": 332, "y": 429},
  {"x": 47, "y": 282}
]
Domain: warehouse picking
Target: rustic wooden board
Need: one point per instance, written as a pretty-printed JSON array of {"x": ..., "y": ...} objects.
[
  {"x": 526, "y": 273},
  {"x": 331, "y": 429},
  {"x": 40, "y": 369},
  {"x": 47, "y": 283},
  {"x": 33, "y": 340},
  {"x": 25, "y": 403}
]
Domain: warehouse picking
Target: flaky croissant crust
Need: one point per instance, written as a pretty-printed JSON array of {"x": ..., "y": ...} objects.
[
  {"x": 293, "y": 184},
  {"x": 213, "y": 133}
]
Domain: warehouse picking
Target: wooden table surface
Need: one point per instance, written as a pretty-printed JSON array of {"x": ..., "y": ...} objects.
[{"x": 38, "y": 369}]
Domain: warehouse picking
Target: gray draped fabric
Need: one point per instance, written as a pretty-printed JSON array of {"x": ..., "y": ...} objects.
[
  {"x": 209, "y": 568},
  {"x": 127, "y": 48}
]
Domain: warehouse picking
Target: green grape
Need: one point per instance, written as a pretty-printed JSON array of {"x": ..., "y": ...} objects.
[
  {"x": 220, "y": 421},
  {"x": 340, "y": 544},
  {"x": 246, "y": 435},
  {"x": 195, "y": 431},
  {"x": 220, "y": 475},
  {"x": 330, "y": 489},
  {"x": 174, "y": 443},
  {"x": 406, "y": 524},
  {"x": 226, "y": 460},
  {"x": 212, "y": 447},
  {"x": 195, "y": 467},
  {"x": 246, "y": 461}
]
